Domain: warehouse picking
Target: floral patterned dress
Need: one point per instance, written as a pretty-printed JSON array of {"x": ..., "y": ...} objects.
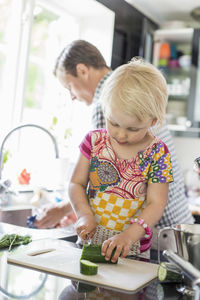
[{"x": 117, "y": 187}]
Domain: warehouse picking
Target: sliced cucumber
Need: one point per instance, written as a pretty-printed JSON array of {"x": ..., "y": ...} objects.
[
  {"x": 93, "y": 253},
  {"x": 166, "y": 275},
  {"x": 88, "y": 268}
]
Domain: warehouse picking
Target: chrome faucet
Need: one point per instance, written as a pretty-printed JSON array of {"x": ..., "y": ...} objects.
[
  {"x": 19, "y": 127},
  {"x": 188, "y": 270},
  {"x": 5, "y": 185}
]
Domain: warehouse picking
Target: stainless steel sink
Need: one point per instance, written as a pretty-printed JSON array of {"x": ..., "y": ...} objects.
[{"x": 15, "y": 216}]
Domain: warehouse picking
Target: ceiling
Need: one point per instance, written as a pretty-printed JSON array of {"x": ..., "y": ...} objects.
[{"x": 162, "y": 11}]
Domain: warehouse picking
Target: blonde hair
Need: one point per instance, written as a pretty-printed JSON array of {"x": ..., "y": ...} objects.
[{"x": 136, "y": 88}]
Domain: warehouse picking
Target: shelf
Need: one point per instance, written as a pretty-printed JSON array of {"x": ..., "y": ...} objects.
[
  {"x": 179, "y": 72},
  {"x": 174, "y": 35},
  {"x": 183, "y": 128},
  {"x": 178, "y": 97}
]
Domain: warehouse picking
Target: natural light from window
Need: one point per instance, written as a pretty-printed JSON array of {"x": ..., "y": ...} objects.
[{"x": 38, "y": 30}]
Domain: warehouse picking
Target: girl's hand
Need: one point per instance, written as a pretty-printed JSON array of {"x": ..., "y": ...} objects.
[
  {"x": 122, "y": 242},
  {"x": 86, "y": 226}
]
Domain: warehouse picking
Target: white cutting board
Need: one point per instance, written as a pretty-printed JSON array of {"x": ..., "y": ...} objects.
[{"x": 129, "y": 275}]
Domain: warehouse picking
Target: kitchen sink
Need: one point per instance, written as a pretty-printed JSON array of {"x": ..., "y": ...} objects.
[{"x": 15, "y": 215}]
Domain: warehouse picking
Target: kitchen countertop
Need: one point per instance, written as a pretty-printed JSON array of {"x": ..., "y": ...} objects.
[{"x": 18, "y": 281}]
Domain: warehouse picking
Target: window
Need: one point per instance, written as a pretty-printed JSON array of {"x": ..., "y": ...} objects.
[
  {"x": 45, "y": 102},
  {"x": 5, "y": 6},
  {"x": 35, "y": 33},
  {"x": 7, "y": 59}
]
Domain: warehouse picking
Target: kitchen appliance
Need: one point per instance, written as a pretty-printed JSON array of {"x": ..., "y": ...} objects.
[
  {"x": 197, "y": 165},
  {"x": 60, "y": 258},
  {"x": 187, "y": 238}
]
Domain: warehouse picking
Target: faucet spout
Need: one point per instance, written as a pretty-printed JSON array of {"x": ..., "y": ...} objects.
[{"x": 19, "y": 127}]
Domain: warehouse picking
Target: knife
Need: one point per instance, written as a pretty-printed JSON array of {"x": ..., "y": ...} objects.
[{"x": 88, "y": 240}]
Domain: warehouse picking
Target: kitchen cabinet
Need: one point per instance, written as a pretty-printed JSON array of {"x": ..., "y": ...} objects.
[
  {"x": 176, "y": 53},
  {"x": 132, "y": 32},
  {"x": 147, "y": 39}
]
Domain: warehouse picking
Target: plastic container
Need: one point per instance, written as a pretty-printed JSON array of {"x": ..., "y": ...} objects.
[
  {"x": 173, "y": 63},
  {"x": 185, "y": 61},
  {"x": 165, "y": 51},
  {"x": 173, "y": 51},
  {"x": 163, "y": 62}
]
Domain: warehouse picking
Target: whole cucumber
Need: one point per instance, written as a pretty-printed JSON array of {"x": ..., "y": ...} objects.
[{"x": 93, "y": 253}]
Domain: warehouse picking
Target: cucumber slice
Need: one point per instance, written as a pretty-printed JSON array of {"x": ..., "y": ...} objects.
[
  {"x": 88, "y": 268},
  {"x": 166, "y": 275},
  {"x": 93, "y": 253}
]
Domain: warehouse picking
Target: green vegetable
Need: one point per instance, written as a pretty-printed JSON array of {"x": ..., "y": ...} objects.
[
  {"x": 6, "y": 156},
  {"x": 85, "y": 288},
  {"x": 93, "y": 253},
  {"x": 88, "y": 268},
  {"x": 10, "y": 240},
  {"x": 166, "y": 275}
]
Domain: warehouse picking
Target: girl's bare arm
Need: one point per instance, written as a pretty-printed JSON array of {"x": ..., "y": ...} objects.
[
  {"x": 77, "y": 191},
  {"x": 157, "y": 196},
  {"x": 78, "y": 185}
]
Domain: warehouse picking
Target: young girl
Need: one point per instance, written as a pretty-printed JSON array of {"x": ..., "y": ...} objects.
[{"x": 119, "y": 187}]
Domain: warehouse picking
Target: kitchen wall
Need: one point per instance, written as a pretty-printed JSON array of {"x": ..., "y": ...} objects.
[
  {"x": 129, "y": 31},
  {"x": 187, "y": 150}
]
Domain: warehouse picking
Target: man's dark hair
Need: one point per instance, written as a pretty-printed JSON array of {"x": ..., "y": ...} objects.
[{"x": 79, "y": 51}]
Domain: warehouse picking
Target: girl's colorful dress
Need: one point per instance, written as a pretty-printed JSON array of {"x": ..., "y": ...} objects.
[{"x": 117, "y": 187}]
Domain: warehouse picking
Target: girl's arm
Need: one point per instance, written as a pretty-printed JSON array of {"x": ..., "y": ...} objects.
[
  {"x": 77, "y": 191},
  {"x": 157, "y": 196}
]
